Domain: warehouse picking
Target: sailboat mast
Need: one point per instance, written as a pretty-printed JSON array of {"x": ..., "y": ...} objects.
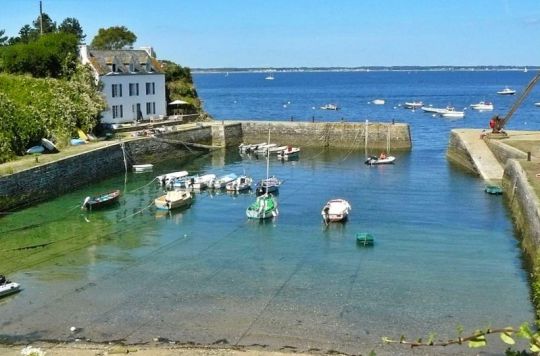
[{"x": 267, "y": 162}]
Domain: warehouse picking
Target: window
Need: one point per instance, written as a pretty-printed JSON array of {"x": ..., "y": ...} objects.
[
  {"x": 114, "y": 67},
  {"x": 133, "y": 89},
  {"x": 116, "y": 90},
  {"x": 150, "y": 88},
  {"x": 117, "y": 111},
  {"x": 150, "y": 108}
]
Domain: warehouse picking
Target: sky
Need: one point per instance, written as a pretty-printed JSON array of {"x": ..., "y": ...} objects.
[{"x": 309, "y": 33}]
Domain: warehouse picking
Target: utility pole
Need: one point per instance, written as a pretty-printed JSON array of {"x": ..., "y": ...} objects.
[{"x": 40, "y": 18}]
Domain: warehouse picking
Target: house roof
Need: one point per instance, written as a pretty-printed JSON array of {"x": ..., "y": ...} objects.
[{"x": 125, "y": 61}]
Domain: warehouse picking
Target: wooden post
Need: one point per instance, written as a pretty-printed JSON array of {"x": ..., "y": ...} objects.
[{"x": 528, "y": 156}]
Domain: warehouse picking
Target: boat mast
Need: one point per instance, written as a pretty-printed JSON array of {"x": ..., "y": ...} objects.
[{"x": 267, "y": 162}]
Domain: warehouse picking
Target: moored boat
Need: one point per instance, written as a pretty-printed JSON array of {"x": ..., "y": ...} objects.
[
  {"x": 264, "y": 207},
  {"x": 289, "y": 152},
  {"x": 453, "y": 114},
  {"x": 330, "y": 107},
  {"x": 506, "y": 91},
  {"x": 432, "y": 110},
  {"x": 239, "y": 184},
  {"x": 222, "y": 181},
  {"x": 335, "y": 210},
  {"x": 202, "y": 182},
  {"x": 374, "y": 160},
  {"x": 482, "y": 106},
  {"x": 378, "y": 101},
  {"x": 165, "y": 178},
  {"x": 364, "y": 239},
  {"x": 173, "y": 200},
  {"x": 268, "y": 185},
  {"x": 8, "y": 287},
  {"x": 101, "y": 200},
  {"x": 413, "y": 105},
  {"x": 537, "y": 104}
]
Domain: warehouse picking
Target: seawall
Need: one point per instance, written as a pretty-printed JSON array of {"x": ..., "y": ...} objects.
[{"x": 50, "y": 180}]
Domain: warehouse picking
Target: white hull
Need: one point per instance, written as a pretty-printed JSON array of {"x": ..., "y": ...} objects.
[
  {"x": 138, "y": 168},
  {"x": 239, "y": 184},
  {"x": 202, "y": 182},
  {"x": 222, "y": 181},
  {"x": 165, "y": 178},
  {"x": 378, "y": 102},
  {"x": 173, "y": 200},
  {"x": 433, "y": 110},
  {"x": 453, "y": 114},
  {"x": 336, "y": 210},
  {"x": 482, "y": 106},
  {"x": 506, "y": 91},
  {"x": 289, "y": 153},
  {"x": 9, "y": 288},
  {"x": 413, "y": 105},
  {"x": 374, "y": 160}
]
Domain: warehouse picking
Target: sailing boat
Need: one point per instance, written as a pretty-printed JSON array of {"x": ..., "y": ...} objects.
[{"x": 266, "y": 205}]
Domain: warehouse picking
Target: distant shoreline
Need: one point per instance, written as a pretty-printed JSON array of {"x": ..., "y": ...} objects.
[{"x": 369, "y": 69}]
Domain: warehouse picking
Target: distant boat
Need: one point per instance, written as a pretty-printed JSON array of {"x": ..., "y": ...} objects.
[
  {"x": 173, "y": 200},
  {"x": 335, "y": 210},
  {"x": 101, "y": 201},
  {"x": 482, "y": 106},
  {"x": 525, "y": 70},
  {"x": 239, "y": 184},
  {"x": 537, "y": 104},
  {"x": 330, "y": 107},
  {"x": 453, "y": 114},
  {"x": 506, "y": 91},
  {"x": 222, "y": 181},
  {"x": 374, "y": 160},
  {"x": 268, "y": 185},
  {"x": 164, "y": 179},
  {"x": 201, "y": 182},
  {"x": 413, "y": 105},
  {"x": 430, "y": 109},
  {"x": 269, "y": 77},
  {"x": 289, "y": 152},
  {"x": 378, "y": 101}
]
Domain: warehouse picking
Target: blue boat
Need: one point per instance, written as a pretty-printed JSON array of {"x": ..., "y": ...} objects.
[{"x": 35, "y": 149}]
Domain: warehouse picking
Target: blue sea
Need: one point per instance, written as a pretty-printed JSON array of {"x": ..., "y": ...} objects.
[{"x": 445, "y": 253}]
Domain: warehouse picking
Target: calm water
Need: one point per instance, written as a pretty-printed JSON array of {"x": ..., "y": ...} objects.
[{"x": 445, "y": 252}]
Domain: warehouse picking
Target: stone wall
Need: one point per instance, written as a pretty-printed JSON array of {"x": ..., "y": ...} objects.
[
  {"x": 504, "y": 152},
  {"x": 458, "y": 153},
  {"x": 524, "y": 204},
  {"x": 329, "y": 134}
]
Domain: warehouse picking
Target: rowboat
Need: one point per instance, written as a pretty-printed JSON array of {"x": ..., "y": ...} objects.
[
  {"x": 49, "y": 146},
  {"x": 35, "y": 149},
  {"x": 8, "y": 287},
  {"x": 173, "y": 200},
  {"x": 101, "y": 200},
  {"x": 289, "y": 152},
  {"x": 335, "y": 210},
  {"x": 139, "y": 168}
]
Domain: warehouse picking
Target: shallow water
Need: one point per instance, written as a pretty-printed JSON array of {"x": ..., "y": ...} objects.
[{"x": 445, "y": 253}]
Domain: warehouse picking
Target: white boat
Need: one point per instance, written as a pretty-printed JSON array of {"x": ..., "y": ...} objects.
[
  {"x": 268, "y": 185},
  {"x": 482, "y": 106},
  {"x": 49, "y": 145},
  {"x": 8, "y": 287},
  {"x": 181, "y": 183},
  {"x": 336, "y": 210},
  {"x": 453, "y": 114},
  {"x": 239, "y": 184},
  {"x": 277, "y": 149},
  {"x": 164, "y": 179},
  {"x": 270, "y": 77},
  {"x": 289, "y": 152},
  {"x": 222, "y": 181},
  {"x": 432, "y": 110},
  {"x": 35, "y": 149},
  {"x": 506, "y": 91},
  {"x": 537, "y": 104},
  {"x": 263, "y": 149},
  {"x": 139, "y": 168},
  {"x": 373, "y": 160},
  {"x": 201, "y": 182},
  {"x": 413, "y": 105},
  {"x": 330, "y": 107},
  {"x": 248, "y": 148},
  {"x": 378, "y": 102},
  {"x": 173, "y": 200}
]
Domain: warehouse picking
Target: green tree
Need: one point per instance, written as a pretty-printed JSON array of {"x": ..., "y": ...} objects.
[
  {"x": 49, "y": 25},
  {"x": 115, "y": 37},
  {"x": 26, "y": 34},
  {"x": 72, "y": 25},
  {"x": 51, "y": 55},
  {"x": 3, "y": 39}
]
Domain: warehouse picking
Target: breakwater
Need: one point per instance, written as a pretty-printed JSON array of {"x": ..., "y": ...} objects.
[{"x": 46, "y": 181}]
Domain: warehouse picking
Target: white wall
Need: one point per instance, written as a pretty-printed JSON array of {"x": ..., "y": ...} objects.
[{"x": 127, "y": 101}]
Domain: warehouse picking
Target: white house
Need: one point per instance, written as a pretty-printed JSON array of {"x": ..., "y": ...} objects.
[{"x": 133, "y": 82}]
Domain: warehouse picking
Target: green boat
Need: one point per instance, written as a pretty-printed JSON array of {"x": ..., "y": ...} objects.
[
  {"x": 364, "y": 239},
  {"x": 265, "y": 206},
  {"x": 493, "y": 189}
]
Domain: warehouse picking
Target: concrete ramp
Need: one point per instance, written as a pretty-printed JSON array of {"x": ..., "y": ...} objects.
[{"x": 483, "y": 159}]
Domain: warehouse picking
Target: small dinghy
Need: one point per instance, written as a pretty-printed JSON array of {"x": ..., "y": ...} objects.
[
  {"x": 35, "y": 149},
  {"x": 372, "y": 160},
  {"x": 173, "y": 200},
  {"x": 164, "y": 179},
  {"x": 49, "y": 145},
  {"x": 77, "y": 142},
  {"x": 336, "y": 210},
  {"x": 201, "y": 182},
  {"x": 141, "y": 168},
  {"x": 289, "y": 152},
  {"x": 493, "y": 189},
  {"x": 268, "y": 185},
  {"x": 101, "y": 200},
  {"x": 8, "y": 287}
]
